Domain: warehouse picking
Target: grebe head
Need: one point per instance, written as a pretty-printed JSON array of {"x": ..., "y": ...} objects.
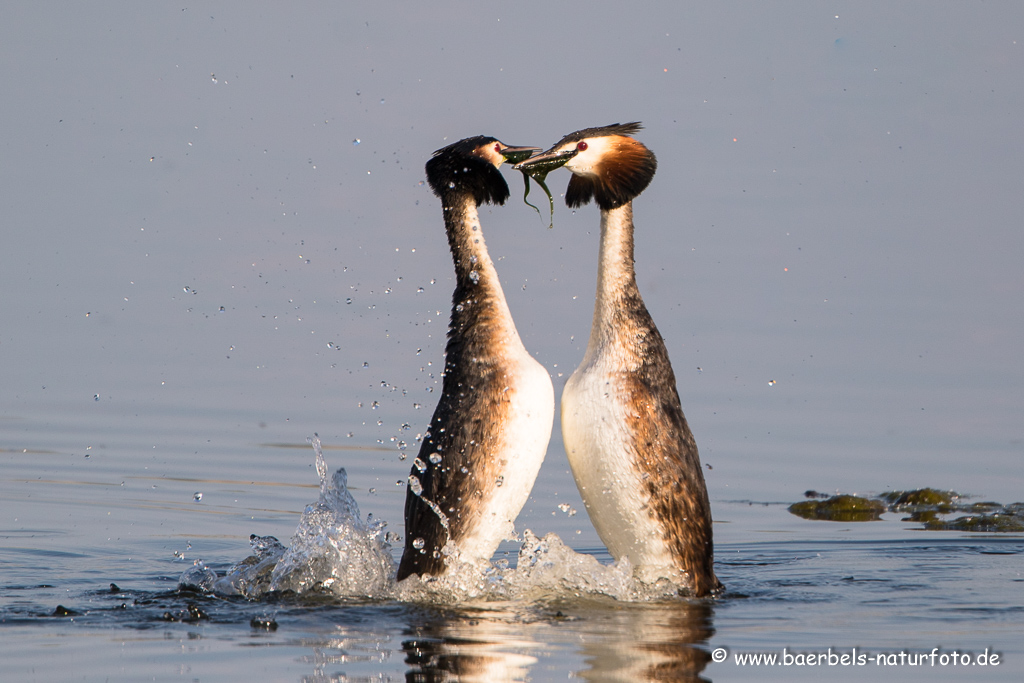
[
  {"x": 607, "y": 165},
  {"x": 470, "y": 167}
]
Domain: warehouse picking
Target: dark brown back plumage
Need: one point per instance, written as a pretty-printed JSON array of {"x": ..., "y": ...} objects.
[{"x": 473, "y": 375}]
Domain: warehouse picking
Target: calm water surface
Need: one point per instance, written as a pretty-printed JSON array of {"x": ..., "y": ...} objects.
[
  {"x": 216, "y": 242},
  {"x": 119, "y": 512}
]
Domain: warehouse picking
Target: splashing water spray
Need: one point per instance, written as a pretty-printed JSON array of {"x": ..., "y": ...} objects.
[{"x": 417, "y": 488}]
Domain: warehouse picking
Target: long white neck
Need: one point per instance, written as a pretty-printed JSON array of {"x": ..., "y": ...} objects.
[
  {"x": 616, "y": 279},
  {"x": 478, "y": 299}
]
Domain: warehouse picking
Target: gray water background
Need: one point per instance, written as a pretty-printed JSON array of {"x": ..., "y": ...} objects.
[{"x": 215, "y": 234}]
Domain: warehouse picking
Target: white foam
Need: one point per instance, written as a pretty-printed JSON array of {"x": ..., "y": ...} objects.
[{"x": 334, "y": 551}]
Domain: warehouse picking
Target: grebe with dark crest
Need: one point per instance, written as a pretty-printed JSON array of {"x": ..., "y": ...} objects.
[
  {"x": 490, "y": 430},
  {"x": 632, "y": 453}
]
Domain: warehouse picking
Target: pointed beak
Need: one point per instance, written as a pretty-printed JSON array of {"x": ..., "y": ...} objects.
[
  {"x": 514, "y": 155},
  {"x": 548, "y": 161}
]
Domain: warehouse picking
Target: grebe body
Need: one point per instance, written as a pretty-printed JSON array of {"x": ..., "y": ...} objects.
[
  {"x": 489, "y": 432},
  {"x": 631, "y": 450}
]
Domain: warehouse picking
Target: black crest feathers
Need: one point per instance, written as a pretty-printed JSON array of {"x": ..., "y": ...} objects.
[
  {"x": 459, "y": 169},
  {"x": 631, "y": 128}
]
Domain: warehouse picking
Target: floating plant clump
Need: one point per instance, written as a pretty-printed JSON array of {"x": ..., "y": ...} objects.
[
  {"x": 928, "y": 506},
  {"x": 843, "y": 508},
  {"x": 998, "y": 522}
]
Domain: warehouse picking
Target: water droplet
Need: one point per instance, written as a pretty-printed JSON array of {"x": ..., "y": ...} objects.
[
  {"x": 402, "y": 445},
  {"x": 374, "y": 405},
  {"x": 96, "y": 397},
  {"x": 418, "y": 543},
  {"x": 356, "y": 141},
  {"x": 419, "y": 465},
  {"x": 419, "y": 289},
  {"x": 198, "y": 495},
  {"x": 771, "y": 383},
  {"x": 499, "y": 481},
  {"x": 435, "y": 458},
  {"x": 474, "y": 276},
  {"x": 373, "y": 490},
  {"x": 463, "y": 470},
  {"x": 416, "y": 406}
]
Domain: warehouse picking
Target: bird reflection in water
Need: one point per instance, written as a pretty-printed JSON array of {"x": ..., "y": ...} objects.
[{"x": 618, "y": 642}]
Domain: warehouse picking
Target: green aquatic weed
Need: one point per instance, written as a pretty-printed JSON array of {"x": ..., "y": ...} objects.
[
  {"x": 539, "y": 175},
  {"x": 905, "y": 500},
  {"x": 997, "y": 523},
  {"x": 842, "y": 508},
  {"x": 927, "y": 506}
]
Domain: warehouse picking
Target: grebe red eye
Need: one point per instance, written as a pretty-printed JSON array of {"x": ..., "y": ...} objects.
[
  {"x": 497, "y": 147},
  {"x": 581, "y": 146}
]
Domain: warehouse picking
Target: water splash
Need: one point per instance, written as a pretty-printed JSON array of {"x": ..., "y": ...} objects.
[
  {"x": 251, "y": 577},
  {"x": 334, "y": 551},
  {"x": 198, "y": 577},
  {"x": 417, "y": 488}
]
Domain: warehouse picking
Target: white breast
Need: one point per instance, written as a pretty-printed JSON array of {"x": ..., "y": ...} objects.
[
  {"x": 523, "y": 446},
  {"x": 600, "y": 450}
]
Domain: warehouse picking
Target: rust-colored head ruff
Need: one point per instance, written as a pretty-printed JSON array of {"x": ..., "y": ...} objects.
[{"x": 608, "y": 165}]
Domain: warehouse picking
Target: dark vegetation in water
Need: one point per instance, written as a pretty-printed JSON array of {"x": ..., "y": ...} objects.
[
  {"x": 930, "y": 507},
  {"x": 842, "y": 508}
]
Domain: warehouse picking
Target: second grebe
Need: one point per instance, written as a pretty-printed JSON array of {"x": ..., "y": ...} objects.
[{"x": 632, "y": 453}]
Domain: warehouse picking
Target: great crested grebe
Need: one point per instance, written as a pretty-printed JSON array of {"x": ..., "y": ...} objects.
[
  {"x": 632, "y": 454},
  {"x": 490, "y": 430}
]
